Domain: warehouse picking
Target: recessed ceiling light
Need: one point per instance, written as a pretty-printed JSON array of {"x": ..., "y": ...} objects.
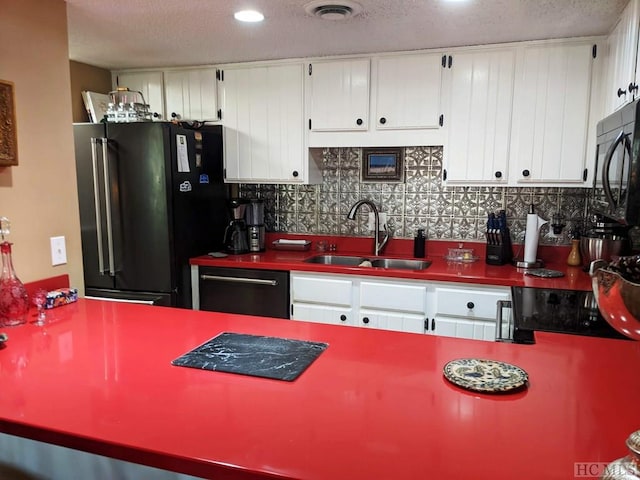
[{"x": 248, "y": 16}]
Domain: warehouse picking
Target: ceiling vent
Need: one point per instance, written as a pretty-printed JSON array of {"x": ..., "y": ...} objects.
[{"x": 328, "y": 10}]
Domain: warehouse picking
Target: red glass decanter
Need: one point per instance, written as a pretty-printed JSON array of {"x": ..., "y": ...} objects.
[{"x": 14, "y": 301}]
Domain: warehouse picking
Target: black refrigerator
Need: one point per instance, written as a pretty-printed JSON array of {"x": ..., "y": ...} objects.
[{"x": 151, "y": 196}]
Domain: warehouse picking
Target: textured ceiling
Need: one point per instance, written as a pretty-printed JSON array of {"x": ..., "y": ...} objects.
[{"x": 152, "y": 33}]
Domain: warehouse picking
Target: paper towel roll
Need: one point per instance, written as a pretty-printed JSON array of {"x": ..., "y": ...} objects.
[
  {"x": 531, "y": 238},
  {"x": 534, "y": 222}
]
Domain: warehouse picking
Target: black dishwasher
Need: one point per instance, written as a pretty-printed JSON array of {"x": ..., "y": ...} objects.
[{"x": 247, "y": 291}]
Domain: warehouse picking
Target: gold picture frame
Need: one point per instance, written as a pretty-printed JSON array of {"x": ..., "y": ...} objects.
[{"x": 8, "y": 133}]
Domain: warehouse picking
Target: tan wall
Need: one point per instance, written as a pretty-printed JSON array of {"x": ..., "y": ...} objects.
[
  {"x": 39, "y": 195},
  {"x": 90, "y": 78}
]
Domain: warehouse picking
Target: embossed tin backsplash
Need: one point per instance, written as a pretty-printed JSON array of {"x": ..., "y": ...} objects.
[{"x": 422, "y": 201}]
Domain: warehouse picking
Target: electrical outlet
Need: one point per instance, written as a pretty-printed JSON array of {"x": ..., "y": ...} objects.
[
  {"x": 58, "y": 251},
  {"x": 371, "y": 224}
]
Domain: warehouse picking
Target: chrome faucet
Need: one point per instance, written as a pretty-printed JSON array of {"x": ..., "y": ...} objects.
[{"x": 378, "y": 245}]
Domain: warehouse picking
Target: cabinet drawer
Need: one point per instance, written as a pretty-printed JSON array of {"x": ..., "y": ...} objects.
[
  {"x": 457, "y": 302},
  {"x": 390, "y": 296},
  {"x": 321, "y": 290}
]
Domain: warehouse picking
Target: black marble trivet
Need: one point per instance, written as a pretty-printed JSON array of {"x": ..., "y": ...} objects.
[{"x": 268, "y": 357}]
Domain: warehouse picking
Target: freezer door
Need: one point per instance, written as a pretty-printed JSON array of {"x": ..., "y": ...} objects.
[
  {"x": 138, "y": 166},
  {"x": 198, "y": 199},
  {"x": 89, "y": 139}
]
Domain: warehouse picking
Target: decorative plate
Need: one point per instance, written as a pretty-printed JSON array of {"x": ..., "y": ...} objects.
[
  {"x": 483, "y": 375},
  {"x": 544, "y": 273}
]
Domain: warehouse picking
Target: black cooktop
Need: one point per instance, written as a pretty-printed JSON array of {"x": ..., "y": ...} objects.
[{"x": 552, "y": 310}]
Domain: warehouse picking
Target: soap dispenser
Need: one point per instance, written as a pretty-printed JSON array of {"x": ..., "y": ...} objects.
[{"x": 419, "y": 244}]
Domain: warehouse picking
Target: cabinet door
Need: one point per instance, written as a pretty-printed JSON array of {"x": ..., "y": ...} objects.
[
  {"x": 551, "y": 113},
  {"x": 446, "y": 327},
  {"x": 191, "y": 94},
  {"x": 262, "y": 110},
  {"x": 339, "y": 95},
  {"x": 479, "y": 121},
  {"x": 400, "y": 322},
  {"x": 149, "y": 84},
  {"x": 623, "y": 47},
  {"x": 409, "y": 91},
  {"x": 322, "y": 314},
  {"x": 463, "y": 328}
]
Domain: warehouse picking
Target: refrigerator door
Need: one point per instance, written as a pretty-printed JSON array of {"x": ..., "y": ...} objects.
[
  {"x": 198, "y": 195},
  {"x": 138, "y": 168},
  {"x": 90, "y": 170}
]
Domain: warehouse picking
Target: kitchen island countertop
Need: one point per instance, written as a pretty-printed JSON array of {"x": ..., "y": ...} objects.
[{"x": 374, "y": 404}]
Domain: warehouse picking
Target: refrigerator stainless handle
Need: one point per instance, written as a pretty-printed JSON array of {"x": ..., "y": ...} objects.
[
  {"x": 255, "y": 281},
  {"x": 107, "y": 194},
  {"x": 96, "y": 192},
  {"x": 499, "y": 337}
]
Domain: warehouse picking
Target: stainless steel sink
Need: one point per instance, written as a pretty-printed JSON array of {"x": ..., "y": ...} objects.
[
  {"x": 342, "y": 260},
  {"x": 348, "y": 261},
  {"x": 401, "y": 264}
]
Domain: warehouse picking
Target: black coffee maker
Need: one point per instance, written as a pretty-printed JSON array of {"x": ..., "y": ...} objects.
[{"x": 235, "y": 235}]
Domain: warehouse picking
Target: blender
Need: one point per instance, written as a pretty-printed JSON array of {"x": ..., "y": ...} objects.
[
  {"x": 235, "y": 235},
  {"x": 255, "y": 225}
]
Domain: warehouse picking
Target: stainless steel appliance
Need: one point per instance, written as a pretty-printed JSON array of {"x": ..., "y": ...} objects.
[
  {"x": 255, "y": 225},
  {"x": 151, "y": 196},
  {"x": 616, "y": 187},
  {"x": 604, "y": 239},
  {"x": 555, "y": 310},
  {"x": 235, "y": 235}
]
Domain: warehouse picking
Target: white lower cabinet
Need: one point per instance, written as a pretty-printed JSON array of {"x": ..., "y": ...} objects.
[
  {"x": 466, "y": 311},
  {"x": 322, "y": 298},
  {"x": 413, "y": 306}
]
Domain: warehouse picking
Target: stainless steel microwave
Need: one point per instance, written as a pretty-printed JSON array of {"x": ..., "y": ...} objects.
[{"x": 616, "y": 192}]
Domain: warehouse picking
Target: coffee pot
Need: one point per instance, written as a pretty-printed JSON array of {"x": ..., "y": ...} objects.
[
  {"x": 235, "y": 235},
  {"x": 255, "y": 225}
]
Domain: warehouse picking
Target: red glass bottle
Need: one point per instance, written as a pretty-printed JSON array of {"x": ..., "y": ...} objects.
[{"x": 14, "y": 301}]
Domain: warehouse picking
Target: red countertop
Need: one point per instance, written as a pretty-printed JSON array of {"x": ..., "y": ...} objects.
[
  {"x": 374, "y": 405},
  {"x": 440, "y": 270}
]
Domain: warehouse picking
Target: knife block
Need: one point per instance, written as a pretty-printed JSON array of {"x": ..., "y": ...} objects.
[{"x": 501, "y": 253}]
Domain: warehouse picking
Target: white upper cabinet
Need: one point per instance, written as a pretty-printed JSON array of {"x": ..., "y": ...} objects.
[
  {"x": 339, "y": 95},
  {"x": 387, "y": 100},
  {"x": 409, "y": 91},
  {"x": 480, "y": 86},
  {"x": 551, "y": 113},
  {"x": 622, "y": 82},
  {"x": 150, "y": 84},
  {"x": 191, "y": 94},
  {"x": 263, "y": 115}
]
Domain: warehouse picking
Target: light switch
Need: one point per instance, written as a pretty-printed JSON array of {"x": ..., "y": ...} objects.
[{"x": 58, "y": 251}]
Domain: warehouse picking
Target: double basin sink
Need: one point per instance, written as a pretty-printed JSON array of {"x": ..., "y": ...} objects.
[{"x": 380, "y": 262}]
